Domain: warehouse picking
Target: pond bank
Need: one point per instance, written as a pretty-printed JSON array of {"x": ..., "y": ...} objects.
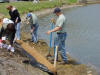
[{"x": 70, "y": 69}]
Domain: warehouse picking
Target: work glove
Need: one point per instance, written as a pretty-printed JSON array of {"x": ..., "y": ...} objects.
[
  {"x": 12, "y": 49},
  {"x": 9, "y": 47}
]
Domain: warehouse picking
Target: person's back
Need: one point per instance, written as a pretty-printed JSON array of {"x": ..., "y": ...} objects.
[
  {"x": 14, "y": 14},
  {"x": 3, "y": 25},
  {"x": 34, "y": 19},
  {"x": 7, "y": 28}
]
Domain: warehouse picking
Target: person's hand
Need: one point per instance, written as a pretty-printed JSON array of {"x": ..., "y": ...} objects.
[
  {"x": 48, "y": 32},
  {"x": 53, "y": 20},
  {"x": 16, "y": 21},
  {"x": 27, "y": 22},
  {"x": 31, "y": 30}
]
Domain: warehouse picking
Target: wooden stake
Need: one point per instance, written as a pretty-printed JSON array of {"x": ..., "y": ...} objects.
[{"x": 55, "y": 56}]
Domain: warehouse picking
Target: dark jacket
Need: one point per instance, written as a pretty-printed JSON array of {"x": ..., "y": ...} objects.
[
  {"x": 14, "y": 15},
  {"x": 9, "y": 31}
]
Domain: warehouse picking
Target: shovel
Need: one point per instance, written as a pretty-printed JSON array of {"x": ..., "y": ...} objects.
[{"x": 50, "y": 40}]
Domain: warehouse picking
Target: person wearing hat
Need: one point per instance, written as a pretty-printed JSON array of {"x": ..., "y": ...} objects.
[
  {"x": 15, "y": 17},
  {"x": 33, "y": 21},
  {"x": 60, "y": 30}
]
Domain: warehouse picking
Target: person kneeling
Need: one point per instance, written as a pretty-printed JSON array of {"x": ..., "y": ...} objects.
[{"x": 8, "y": 31}]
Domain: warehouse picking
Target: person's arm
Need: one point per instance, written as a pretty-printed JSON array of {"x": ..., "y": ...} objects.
[
  {"x": 10, "y": 15},
  {"x": 32, "y": 29},
  {"x": 53, "y": 21},
  {"x": 16, "y": 13},
  {"x": 54, "y": 30},
  {"x": 16, "y": 20},
  {"x": 59, "y": 27}
]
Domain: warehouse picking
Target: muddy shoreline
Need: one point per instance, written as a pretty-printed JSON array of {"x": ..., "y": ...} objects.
[
  {"x": 87, "y": 70},
  {"x": 73, "y": 68}
]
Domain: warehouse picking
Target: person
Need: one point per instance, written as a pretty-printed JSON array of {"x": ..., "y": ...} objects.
[
  {"x": 35, "y": 1},
  {"x": 33, "y": 21},
  {"x": 61, "y": 34},
  {"x": 8, "y": 30},
  {"x": 15, "y": 17}
]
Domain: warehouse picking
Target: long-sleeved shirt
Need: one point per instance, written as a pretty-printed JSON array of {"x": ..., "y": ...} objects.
[{"x": 14, "y": 14}]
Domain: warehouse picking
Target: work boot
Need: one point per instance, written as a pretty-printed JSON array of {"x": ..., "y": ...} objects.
[
  {"x": 26, "y": 61},
  {"x": 49, "y": 57}
]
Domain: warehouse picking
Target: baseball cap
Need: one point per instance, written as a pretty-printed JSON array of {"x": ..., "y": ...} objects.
[
  {"x": 57, "y": 10},
  {"x": 28, "y": 15}
]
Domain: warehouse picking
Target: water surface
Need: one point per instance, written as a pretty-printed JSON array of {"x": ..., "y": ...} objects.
[{"x": 83, "y": 28}]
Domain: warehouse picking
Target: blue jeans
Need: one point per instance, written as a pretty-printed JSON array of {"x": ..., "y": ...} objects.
[
  {"x": 34, "y": 34},
  {"x": 60, "y": 42},
  {"x": 17, "y": 27}
]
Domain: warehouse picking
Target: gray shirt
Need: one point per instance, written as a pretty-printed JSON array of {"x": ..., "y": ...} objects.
[
  {"x": 34, "y": 19},
  {"x": 61, "y": 22}
]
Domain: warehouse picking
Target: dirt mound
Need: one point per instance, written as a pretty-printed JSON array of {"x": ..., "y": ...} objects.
[
  {"x": 10, "y": 67},
  {"x": 12, "y": 64}
]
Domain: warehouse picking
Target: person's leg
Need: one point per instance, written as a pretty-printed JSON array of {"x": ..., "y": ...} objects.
[
  {"x": 11, "y": 37},
  {"x": 1, "y": 32},
  {"x": 34, "y": 35},
  {"x": 61, "y": 48},
  {"x": 18, "y": 31}
]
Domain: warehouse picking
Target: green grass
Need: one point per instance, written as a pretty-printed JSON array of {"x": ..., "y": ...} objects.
[
  {"x": 24, "y": 7},
  {"x": 71, "y": 1}
]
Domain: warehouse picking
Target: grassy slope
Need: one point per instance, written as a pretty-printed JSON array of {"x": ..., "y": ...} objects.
[
  {"x": 24, "y": 7},
  {"x": 72, "y": 1}
]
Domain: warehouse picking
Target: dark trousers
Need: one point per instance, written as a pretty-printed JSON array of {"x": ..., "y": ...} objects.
[{"x": 9, "y": 34}]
